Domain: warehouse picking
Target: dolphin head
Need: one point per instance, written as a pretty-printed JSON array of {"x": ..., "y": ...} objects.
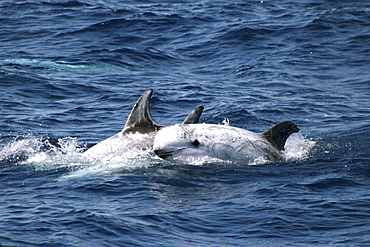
[
  {"x": 179, "y": 143},
  {"x": 199, "y": 143}
]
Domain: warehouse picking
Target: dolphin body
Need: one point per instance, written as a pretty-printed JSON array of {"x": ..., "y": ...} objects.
[
  {"x": 190, "y": 143},
  {"x": 138, "y": 132}
]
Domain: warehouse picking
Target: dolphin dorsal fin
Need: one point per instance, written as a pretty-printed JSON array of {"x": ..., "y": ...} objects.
[
  {"x": 140, "y": 120},
  {"x": 193, "y": 117},
  {"x": 279, "y": 133}
]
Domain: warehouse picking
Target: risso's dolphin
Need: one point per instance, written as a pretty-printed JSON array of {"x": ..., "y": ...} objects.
[
  {"x": 189, "y": 143},
  {"x": 138, "y": 132}
]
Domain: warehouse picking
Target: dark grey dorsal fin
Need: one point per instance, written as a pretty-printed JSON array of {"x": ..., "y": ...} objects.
[
  {"x": 194, "y": 115},
  {"x": 140, "y": 119},
  {"x": 279, "y": 133}
]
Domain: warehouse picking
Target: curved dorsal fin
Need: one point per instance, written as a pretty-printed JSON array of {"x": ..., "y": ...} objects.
[
  {"x": 193, "y": 117},
  {"x": 140, "y": 120},
  {"x": 279, "y": 133}
]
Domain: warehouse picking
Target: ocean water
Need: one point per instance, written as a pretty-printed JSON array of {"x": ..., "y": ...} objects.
[{"x": 70, "y": 72}]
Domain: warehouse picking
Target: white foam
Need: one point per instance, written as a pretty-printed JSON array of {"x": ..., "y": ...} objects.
[
  {"x": 68, "y": 154},
  {"x": 297, "y": 147},
  {"x": 17, "y": 147},
  {"x": 226, "y": 122}
]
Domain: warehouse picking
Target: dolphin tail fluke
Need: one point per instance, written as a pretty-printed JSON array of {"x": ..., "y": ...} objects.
[
  {"x": 193, "y": 117},
  {"x": 140, "y": 120},
  {"x": 279, "y": 133}
]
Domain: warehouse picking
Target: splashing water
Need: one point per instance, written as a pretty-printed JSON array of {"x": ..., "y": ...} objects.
[
  {"x": 297, "y": 147},
  {"x": 226, "y": 122},
  {"x": 42, "y": 154},
  {"x": 67, "y": 153}
]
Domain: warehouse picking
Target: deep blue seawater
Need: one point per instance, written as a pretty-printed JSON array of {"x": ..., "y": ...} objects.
[{"x": 72, "y": 70}]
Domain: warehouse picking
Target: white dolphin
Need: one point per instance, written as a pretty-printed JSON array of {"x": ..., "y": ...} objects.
[
  {"x": 138, "y": 132},
  {"x": 189, "y": 143}
]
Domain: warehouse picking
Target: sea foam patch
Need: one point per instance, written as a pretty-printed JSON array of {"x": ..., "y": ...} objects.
[
  {"x": 297, "y": 147},
  {"x": 64, "y": 153}
]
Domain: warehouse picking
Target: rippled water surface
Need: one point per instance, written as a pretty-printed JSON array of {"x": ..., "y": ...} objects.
[{"x": 70, "y": 72}]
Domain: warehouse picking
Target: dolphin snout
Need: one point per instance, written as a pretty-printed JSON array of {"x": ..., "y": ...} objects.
[{"x": 162, "y": 154}]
